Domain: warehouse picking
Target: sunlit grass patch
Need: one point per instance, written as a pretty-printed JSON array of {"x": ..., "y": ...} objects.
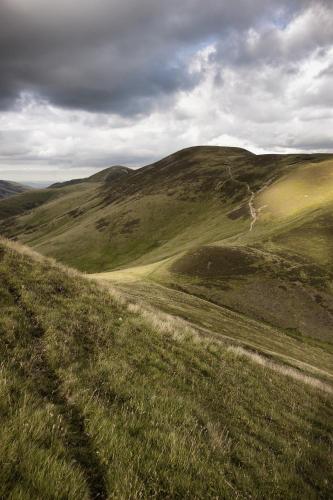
[{"x": 306, "y": 188}]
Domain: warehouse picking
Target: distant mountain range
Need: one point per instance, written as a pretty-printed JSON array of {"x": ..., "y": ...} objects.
[{"x": 8, "y": 188}]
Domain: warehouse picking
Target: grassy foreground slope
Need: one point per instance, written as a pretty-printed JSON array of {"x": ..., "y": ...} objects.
[
  {"x": 100, "y": 399},
  {"x": 216, "y": 322}
]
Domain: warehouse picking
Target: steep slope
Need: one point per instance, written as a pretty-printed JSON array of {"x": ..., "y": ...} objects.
[
  {"x": 8, "y": 188},
  {"x": 196, "y": 196},
  {"x": 288, "y": 292},
  {"x": 249, "y": 232},
  {"x": 280, "y": 270},
  {"x": 124, "y": 402},
  {"x": 137, "y": 213},
  {"x": 188, "y": 198},
  {"x": 48, "y": 212}
]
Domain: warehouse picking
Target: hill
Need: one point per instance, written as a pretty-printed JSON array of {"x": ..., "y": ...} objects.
[
  {"x": 249, "y": 233},
  {"x": 196, "y": 196},
  {"x": 8, "y": 188},
  {"x": 126, "y": 402},
  {"x": 107, "y": 175}
]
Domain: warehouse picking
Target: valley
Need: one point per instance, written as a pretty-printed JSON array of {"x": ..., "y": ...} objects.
[
  {"x": 210, "y": 223},
  {"x": 173, "y": 322}
]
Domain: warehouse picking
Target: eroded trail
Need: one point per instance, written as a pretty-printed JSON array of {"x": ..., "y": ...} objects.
[{"x": 252, "y": 209}]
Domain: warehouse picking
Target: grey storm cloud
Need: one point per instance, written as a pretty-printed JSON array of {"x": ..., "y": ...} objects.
[{"x": 123, "y": 57}]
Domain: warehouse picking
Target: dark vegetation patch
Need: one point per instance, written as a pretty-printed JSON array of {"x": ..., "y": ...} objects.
[
  {"x": 248, "y": 177},
  {"x": 280, "y": 291},
  {"x": 102, "y": 224},
  {"x": 193, "y": 170},
  {"x": 241, "y": 212},
  {"x": 216, "y": 262},
  {"x": 24, "y": 202},
  {"x": 76, "y": 212},
  {"x": 129, "y": 226},
  {"x": 233, "y": 191}
]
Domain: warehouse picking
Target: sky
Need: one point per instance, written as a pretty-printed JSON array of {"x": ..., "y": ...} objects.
[{"x": 88, "y": 84}]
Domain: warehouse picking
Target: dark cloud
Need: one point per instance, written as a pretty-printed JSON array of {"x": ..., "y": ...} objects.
[
  {"x": 89, "y": 83},
  {"x": 111, "y": 55}
]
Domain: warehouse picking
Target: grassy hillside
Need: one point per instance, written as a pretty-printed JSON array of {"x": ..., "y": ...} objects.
[
  {"x": 196, "y": 196},
  {"x": 285, "y": 291},
  {"x": 24, "y": 204},
  {"x": 310, "y": 354},
  {"x": 8, "y": 188},
  {"x": 252, "y": 233},
  {"x": 126, "y": 402}
]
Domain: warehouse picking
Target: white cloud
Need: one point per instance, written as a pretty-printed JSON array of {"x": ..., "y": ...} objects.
[{"x": 276, "y": 97}]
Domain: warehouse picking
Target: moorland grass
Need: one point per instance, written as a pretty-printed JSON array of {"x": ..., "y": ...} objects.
[
  {"x": 99, "y": 401},
  {"x": 166, "y": 214}
]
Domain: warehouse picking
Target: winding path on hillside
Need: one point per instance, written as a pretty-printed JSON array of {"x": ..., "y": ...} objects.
[{"x": 253, "y": 211}]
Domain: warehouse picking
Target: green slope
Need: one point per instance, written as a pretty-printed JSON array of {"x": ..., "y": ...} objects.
[
  {"x": 100, "y": 398},
  {"x": 252, "y": 233},
  {"x": 196, "y": 196}
]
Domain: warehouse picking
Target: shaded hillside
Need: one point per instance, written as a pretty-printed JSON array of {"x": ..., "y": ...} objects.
[
  {"x": 286, "y": 291},
  {"x": 24, "y": 203},
  {"x": 127, "y": 403},
  {"x": 8, "y": 188}
]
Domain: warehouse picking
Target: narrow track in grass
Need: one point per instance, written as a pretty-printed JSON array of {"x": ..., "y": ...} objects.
[
  {"x": 253, "y": 211},
  {"x": 49, "y": 387}
]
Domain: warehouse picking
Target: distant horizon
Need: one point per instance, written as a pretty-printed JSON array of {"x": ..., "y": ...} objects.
[{"x": 64, "y": 175}]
